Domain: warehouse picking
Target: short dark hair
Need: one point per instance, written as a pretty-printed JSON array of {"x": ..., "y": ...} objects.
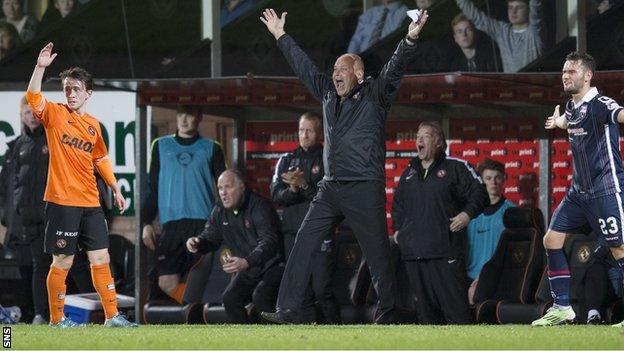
[
  {"x": 586, "y": 59},
  {"x": 194, "y": 110},
  {"x": 525, "y": 1},
  {"x": 490, "y": 164},
  {"x": 437, "y": 129},
  {"x": 80, "y": 74}
]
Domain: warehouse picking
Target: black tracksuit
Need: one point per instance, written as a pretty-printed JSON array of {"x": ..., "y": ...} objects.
[
  {"x": 295, "y": 205},
  {"x": 31, "y": 159},
  {"x": 424, "y": 202},
  {"x": 250, "y": 232},
  {"x": 353, "y": 187}
]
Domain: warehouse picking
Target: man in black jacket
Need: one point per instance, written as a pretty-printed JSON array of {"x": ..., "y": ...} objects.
[
  {"x": 294, "y": 185},
  {"x": 434, "y": 201},
  {"x": 246, "y": 223},
  {"x": 353, "y": 188}
]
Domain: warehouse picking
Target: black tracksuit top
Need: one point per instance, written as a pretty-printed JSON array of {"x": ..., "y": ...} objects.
[
  {"x": 354, "y": 147},
  {"x": 423, "y": 205},
  {"x": 250, "y": 232},
  {"x": 295, "y": 204}
]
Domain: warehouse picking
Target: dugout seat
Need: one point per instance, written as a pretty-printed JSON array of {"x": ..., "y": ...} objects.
[
  {"x": 363, "y": 292},
  {"x": 205, "y": 284},
  {"x": 579, "y": 249},
  {"x": 512, "y": 274}
]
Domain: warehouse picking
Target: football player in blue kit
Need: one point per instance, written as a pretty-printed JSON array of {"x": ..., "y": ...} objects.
[{"x": 594, "y": 197}]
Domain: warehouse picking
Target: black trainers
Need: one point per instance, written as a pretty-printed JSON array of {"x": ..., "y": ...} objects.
[{"x": 281, "y": 317}]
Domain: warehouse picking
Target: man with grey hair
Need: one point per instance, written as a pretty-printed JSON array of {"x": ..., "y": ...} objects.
[{"x": 355, "y": 109}]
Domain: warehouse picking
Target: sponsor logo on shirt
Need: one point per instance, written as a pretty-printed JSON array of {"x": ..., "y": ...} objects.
[
  {"x": 77, "y": 143},
  {"x": 576, "y": 131},
  {"x": 91, "y": 130}
]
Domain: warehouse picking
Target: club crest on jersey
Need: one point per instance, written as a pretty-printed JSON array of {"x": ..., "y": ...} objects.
[
  {"x": 184, "y": 158},
  {"x": 441, "y": 173},
  {"x": 44, "y": 149},
  {"x": 247, "y": 224},
  {"x": 91, "y": 130},
  {"x": 582, "y": 111},
  {"x": 316, "y": 169},
  {"x": 61, "y": 243},
  {"x": 76, "y": 143}
]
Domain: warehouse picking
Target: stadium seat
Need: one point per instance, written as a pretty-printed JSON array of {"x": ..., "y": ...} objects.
[
  {"x": 513, "y": 271},
  {"x": 173, "y": 313},
  {"x": 205, "y": 284},
  {"x": 579, "y": 249}
]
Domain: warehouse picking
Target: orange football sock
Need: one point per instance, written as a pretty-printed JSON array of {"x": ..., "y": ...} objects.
[
  {"x": 56, "y": 286},
  {"x": 105, "y": 287},
  {"x": 178, "y": 292}
]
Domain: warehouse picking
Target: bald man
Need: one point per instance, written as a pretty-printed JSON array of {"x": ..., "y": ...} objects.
[
  {"x": 355, "y": 109},
  {"x": 246, "y": 223}
]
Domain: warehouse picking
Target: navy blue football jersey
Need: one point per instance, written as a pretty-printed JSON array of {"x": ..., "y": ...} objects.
[{"x": 593, "y": 132}]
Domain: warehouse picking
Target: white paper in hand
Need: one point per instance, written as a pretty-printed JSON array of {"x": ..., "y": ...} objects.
[{"x": 414, "y": 14}]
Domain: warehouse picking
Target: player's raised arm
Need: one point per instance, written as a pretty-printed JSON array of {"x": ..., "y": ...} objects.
[
  {"x": 43, "y": 61},
  {"x": 274, "y": 23},
  {"x": 556, "y": 120}
]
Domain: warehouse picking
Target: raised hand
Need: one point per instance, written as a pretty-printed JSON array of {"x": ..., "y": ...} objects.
[
  {"x": 46, "y": 56},
  {"x": 551, "y": 121},
  {"x": 274, "y": 24},
  {"x": 415, "y": 27}
]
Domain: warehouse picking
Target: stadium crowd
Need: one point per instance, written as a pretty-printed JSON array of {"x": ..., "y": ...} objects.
[{"x": 447, "y": 217}]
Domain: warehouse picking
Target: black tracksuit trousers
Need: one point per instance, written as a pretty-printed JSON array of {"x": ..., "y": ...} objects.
[
  {"x": 441, "y": 290},
  {"x": 363, "y": 205}
]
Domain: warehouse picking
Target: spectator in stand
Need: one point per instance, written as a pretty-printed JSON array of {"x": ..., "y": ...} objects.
[
  {"x": 376, "y": 23},
  {"x": 485, "y": 230},
  {"x": 232, "y": 9},
  {"x": 603, "y": 6},
  {"x": 26, "y": 25},
  {"x": 424, "y": 4},
  {"x": 521, "y": 40},
  {"x": 9, "y": 39},
  {"x": 57, "y": 10},
  {"x": 474, "y": 56}
]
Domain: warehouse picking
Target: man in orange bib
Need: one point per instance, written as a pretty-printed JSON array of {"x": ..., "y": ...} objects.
[{"x": 73, "y": 214}]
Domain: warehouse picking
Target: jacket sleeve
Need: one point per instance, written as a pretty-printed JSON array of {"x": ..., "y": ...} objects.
[
  {"x": 5, "y": 175},
  {"x": 265, "y": 222},
  {"x": 392, "y": 72},
  {"x": 490, "y": 26},
  {"x": 536, "y": 17},
  {"x": 279, "y": 190},
  {"x": 398, "y": 205},
  {"x": 210, "y": 238},
  {"x": 471, "y": 190},
  {"x": 150, "y": 206},
  {"x": 316, "y": 82}
]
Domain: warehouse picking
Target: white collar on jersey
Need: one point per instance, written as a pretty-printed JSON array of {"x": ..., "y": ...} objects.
[{"x": 587, "y": 98}]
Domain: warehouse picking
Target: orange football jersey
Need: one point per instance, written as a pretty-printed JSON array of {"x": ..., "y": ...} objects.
[{"x": 76, "y": 145}]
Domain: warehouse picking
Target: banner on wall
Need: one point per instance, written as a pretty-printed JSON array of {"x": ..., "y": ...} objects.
[{"x": 116, "y": 112}]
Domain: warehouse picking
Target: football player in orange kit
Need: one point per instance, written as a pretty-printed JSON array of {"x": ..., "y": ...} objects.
[{"x": 73, "y": 213}]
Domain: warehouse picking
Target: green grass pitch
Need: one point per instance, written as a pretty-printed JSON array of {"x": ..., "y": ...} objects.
[{"x": 319, "y": 337}]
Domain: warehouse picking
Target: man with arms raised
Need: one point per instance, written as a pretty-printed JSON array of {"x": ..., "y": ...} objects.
[{"x": 353, "y": 188}]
